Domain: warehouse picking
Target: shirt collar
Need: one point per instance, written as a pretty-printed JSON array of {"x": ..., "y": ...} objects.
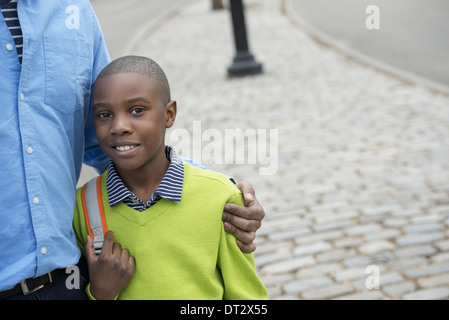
[{"x": 170, "y": 187}]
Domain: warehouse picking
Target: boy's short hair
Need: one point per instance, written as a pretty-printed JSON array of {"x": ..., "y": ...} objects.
[{"x": 141, "y": 65}]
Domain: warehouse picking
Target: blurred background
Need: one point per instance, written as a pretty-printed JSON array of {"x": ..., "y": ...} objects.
[
  {"x": 358, "y": 207},
  {"x": 409, "y": 40}
]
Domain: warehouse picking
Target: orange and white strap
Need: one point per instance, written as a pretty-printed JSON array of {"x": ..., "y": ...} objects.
[{"x": 93, "y": 212}]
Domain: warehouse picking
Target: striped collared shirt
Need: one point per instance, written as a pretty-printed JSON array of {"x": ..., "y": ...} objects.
[
  {"x": 170, "y": 187},
  {"x": 9, "y": 10}
]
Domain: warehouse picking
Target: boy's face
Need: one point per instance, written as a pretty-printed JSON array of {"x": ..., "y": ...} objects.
[{"x": 130, "y": 119}]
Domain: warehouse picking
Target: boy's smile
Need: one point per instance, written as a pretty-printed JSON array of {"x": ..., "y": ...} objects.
[
  {"x": 130, "y": 117},
  {"x": 124, "y": 148}
]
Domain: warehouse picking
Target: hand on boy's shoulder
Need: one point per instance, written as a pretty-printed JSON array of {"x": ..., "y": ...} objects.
[{"x": 244, "y": 221}]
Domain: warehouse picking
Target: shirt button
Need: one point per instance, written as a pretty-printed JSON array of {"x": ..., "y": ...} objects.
[
  {"x": 21, "y": 96},
  {"x": 9, "y": 47},
  {"x": 43, "y": 250},
  {"x": 35, "y": 200},
  {"x": 30, "y": 149}
]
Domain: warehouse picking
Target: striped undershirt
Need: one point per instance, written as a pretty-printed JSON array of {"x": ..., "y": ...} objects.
[
  {"x": 170, "y": 187},
  {"x": 9, "y": 10}
]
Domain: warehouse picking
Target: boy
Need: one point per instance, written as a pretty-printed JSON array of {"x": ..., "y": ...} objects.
[{"x": 180, "y": 248}]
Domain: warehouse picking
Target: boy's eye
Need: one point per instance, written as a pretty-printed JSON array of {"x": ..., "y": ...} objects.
[
  {"x": 137, "y": 110},
  {"x": 103, "y": 115}
]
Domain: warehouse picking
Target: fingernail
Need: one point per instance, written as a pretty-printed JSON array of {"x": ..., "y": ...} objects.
[{"x": 249, "y": 196}]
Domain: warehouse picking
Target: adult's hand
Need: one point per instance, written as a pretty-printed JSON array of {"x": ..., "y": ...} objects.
[{"x": 243, "y": 222}]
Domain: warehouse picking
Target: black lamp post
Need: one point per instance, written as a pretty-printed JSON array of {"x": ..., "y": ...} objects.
[{"x": 244, "y": 62}]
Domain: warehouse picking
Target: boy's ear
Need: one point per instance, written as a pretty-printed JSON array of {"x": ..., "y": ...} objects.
[{"x": 170, "y": 113}]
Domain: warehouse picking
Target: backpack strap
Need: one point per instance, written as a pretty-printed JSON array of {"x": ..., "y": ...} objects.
[{"x": 94, "y": 212}]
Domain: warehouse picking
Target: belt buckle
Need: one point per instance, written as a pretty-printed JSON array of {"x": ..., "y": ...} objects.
[{"x": 26, "y": 291}]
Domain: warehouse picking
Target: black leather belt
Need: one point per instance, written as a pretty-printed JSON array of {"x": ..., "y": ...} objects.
[{"x": 31, "y": 285}]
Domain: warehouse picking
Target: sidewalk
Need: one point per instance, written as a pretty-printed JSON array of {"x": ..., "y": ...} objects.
[
  {"x": 363, "y": 176},
  {"x": 410, "y": 42}
]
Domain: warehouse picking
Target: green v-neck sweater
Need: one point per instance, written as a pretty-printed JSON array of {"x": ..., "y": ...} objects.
[{"x": 181, "y": 249}]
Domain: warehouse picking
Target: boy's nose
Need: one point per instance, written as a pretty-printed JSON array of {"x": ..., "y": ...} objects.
[{"x": 120, "y": 126}]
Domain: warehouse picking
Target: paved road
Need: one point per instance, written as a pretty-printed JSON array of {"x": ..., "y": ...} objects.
[
  {"x": 121, "y": 22},
  {"x": 412, "y": 34}
]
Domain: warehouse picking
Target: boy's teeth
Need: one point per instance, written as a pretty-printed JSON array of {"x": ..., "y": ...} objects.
[{"x": 124, "y": 148}]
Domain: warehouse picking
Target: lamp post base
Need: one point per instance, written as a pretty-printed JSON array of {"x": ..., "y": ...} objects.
[{"x": 244, "y": 64}]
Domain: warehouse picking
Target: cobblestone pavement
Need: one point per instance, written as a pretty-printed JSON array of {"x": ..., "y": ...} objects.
[{"x": 362, "y": 180}]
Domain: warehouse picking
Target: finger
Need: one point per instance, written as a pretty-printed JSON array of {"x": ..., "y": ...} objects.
[
  {"x": 117, "y": 249},
  {"x": 235, "y": 209},
  {"x": 246, "y": 187},
  {"x": 89, "y": 249},
  {"x": 125, "y": 255},
  {"x": 248, "y": 192},
  {"x": 131, "y": 267},
  {"x": 241, "y": 223},
  {"x": 254, "y": 212},
  {"x": 128, "y": 262},
  {"x": 108, "y": 243},
  {"x": 127, "y": 259},
  {"x": 248, "y": 248},
  {"x": 247, "y": 237},
  {"x": 132, "y": 262}
]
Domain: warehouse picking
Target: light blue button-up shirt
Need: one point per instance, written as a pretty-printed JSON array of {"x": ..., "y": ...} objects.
[{"x": 46, "y": 131}]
